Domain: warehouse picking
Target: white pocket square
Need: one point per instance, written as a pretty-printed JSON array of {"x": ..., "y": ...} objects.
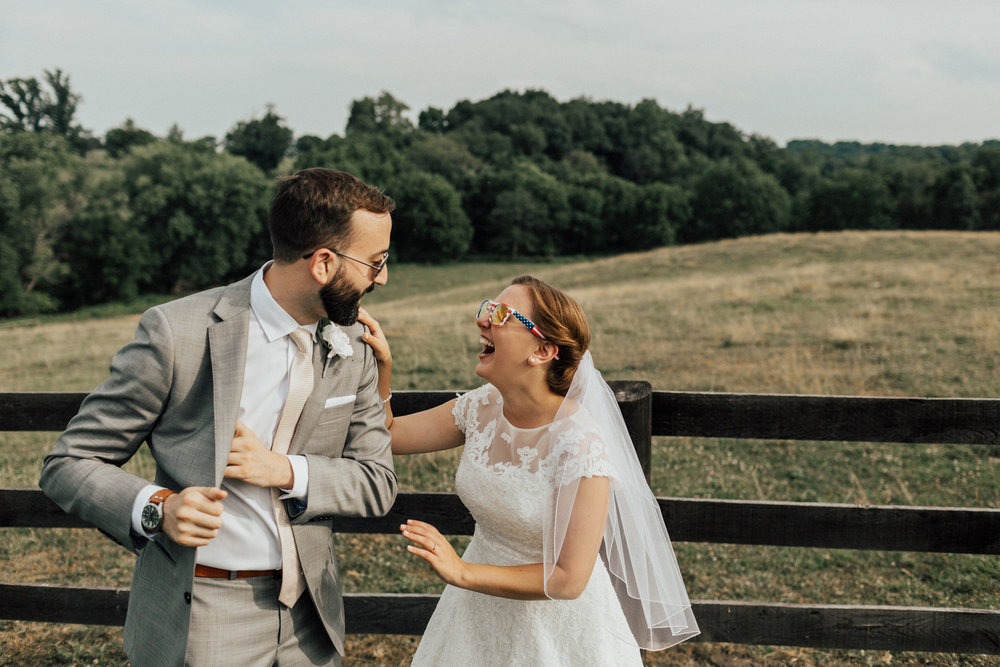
[{"x": 339, "y": 400}]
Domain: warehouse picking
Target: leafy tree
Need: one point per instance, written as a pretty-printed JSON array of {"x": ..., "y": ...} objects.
[
  {"x": 851, "y": 199},
  {"x": 373, "y": 157},
  {"x": 201, "y": 213},
  {"x": 490, "y": 146},
  {"x": 114, "y": 261},
  {"x": 385, "y": 114},
  {"x": 119, "y": 140},
  {"x": 524, "y": 212},
  {"x": 307, "y": 143},
  {"x": 735, "y": 198},
  {"x": 263, "y": 142},
  {"x": 42, "y": 185},
  {"x": 639, "y": 217},
  {"x": 25, "y": 104},
  {"x": 911, "y": 185},
  {"x": 956, "y": 202},
  {"x": 986, "y": 166},
  {"x": 586, "y": 230},
  {"x": 429, "y": 224},
  {"x": 443, "y": 155},
  {"x": 520, "y": 222},
  {"x": 586, "y": 126},
  {"x": 32, "y": 107},
  {"x": 432, "y": 120}
]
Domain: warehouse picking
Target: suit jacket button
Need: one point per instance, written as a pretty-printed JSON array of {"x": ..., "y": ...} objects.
[{"x": 187, "y": 598}]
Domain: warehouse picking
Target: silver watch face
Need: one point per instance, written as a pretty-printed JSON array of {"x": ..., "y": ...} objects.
[{"x": 151, "y": 517}]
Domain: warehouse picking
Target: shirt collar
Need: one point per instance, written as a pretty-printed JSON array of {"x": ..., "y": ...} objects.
[{"x": 275, "y": 322}]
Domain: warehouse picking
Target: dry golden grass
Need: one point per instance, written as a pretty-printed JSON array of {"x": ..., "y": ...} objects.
[{"x": 876, "y": 313}]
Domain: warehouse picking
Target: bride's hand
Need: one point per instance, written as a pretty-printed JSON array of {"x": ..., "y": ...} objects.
[
  {"x": 376, "y": 339},
  {"x": 432, "y": 546}
]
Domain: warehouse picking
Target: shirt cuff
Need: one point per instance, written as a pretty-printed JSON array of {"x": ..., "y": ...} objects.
[
  {"x": 140, "y": 501},
  {"x": 300, "y": 487}
]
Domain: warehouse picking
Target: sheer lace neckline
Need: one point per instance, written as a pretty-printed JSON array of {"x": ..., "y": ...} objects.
[{"x": 519, "y": 429}]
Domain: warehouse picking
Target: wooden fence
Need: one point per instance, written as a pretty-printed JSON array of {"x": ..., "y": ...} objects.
[{"x": 660, "y": 413}]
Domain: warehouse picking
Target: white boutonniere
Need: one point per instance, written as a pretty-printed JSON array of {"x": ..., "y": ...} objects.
[{"x": 336, "y": 341}]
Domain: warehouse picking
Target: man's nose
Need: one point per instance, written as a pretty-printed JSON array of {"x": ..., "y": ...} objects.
[{"x": 383, "y": 276}]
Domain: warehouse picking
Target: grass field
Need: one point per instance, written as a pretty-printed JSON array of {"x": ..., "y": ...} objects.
[{"x": 891, "y": 314}]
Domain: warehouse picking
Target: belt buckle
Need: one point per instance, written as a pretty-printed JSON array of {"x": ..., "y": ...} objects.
[{"x": 233, "y": 574}]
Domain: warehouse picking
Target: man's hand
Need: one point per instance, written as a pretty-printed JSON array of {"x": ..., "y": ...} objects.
[
  {"x": 193, "y": 517},
  {"x": 250, "y": 461}
]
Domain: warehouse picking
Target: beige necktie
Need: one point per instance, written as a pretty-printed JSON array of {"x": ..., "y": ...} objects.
[{"x": 300, "y": 384}]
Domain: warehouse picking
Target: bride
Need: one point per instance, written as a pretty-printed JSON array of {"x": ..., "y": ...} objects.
[{"x": 551, "y": 478}]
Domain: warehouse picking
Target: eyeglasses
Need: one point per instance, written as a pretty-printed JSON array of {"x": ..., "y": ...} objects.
[
  {"x": 378, "y": 267},
  {"x": 499, "y": 313}
]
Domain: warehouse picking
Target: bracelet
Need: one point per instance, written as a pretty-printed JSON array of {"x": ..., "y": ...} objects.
[{"x": 387, "y": 398}]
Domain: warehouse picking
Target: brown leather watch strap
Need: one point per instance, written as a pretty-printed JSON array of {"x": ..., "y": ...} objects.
[{"x": 160, "y": 496}]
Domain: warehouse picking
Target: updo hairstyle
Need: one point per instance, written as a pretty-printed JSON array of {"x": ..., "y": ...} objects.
[{"x": 562, "y": 322}]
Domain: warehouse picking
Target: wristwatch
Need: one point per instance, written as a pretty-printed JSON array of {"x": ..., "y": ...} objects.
[{"x": 152, "y": 511}]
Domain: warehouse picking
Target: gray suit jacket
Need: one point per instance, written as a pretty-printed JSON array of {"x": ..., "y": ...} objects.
[{"x": 177, "y": 387}]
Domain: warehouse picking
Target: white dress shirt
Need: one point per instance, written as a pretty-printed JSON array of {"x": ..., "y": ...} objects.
[{"x": 248, "y": 539}]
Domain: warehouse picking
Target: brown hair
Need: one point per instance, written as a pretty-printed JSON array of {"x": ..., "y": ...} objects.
[
  {"x": 312, "y": 209},
  {"x": 562, "y": 322}
]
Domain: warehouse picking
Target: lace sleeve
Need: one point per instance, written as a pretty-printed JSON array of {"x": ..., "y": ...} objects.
[
  {"x": 578, "y": 452},
  {"x": 467, "y": 406}
]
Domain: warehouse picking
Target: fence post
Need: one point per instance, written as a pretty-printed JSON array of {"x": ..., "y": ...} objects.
[{"x": 635, "y": 400}]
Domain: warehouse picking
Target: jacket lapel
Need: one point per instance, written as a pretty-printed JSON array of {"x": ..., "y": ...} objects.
[
  {"x": 227, "y": 342},
  {"x": 326, "y": 372}
]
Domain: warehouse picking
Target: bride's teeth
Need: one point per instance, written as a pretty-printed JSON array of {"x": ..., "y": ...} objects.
[{"x": 486, "y": 343}]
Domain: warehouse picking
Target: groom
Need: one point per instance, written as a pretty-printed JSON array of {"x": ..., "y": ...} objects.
[{"x": 235, "y": 560}]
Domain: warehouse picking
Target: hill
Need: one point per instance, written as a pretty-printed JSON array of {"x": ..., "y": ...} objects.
[{"x": 877, "y": 313}]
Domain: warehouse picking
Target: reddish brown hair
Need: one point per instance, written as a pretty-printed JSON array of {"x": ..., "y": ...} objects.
[{"x": 562, "y": 322}]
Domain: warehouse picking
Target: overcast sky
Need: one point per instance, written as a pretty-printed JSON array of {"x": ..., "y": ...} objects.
[{"x": 916, "y": 72}]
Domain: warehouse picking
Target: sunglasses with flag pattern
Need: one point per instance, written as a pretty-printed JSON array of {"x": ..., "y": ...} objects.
[{"x": 498, "y": 314}]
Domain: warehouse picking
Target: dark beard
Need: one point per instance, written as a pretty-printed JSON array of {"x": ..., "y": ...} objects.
[{"x": 341, "y": 301}]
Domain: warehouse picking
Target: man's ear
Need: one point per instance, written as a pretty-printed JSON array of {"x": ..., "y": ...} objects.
[{"x": 322, "y": 266}]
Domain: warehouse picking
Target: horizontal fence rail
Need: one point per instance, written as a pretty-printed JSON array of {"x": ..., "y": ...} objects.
[
  {"x": 974, "y": 421},
  {"x": 706, "y": 414},
  {"x": 772, "y": 523},
  {"x": 653, "y": 413},
  {"x": 816, "y": 626}
]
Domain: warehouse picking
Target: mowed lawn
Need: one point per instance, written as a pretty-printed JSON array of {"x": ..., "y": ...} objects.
[{"x": 874, "y": 313}]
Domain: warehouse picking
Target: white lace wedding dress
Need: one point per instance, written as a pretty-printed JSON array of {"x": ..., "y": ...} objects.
[{"x": 504, "y": 481}]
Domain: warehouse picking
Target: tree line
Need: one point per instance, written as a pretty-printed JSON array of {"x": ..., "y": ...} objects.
[{"x": 86, "y": 219}]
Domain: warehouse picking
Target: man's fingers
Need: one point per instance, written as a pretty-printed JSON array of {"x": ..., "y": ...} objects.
[
  {"x": 242, "y": 430},
  {"x": 193, "y": 517},
  {"x": 203, "y": 499},
  {"x": 366, "y": 319},
  {"x": 210, "y": 492}
]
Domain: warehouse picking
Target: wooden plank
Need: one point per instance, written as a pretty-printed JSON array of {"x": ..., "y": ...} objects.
[
  {"x": 833, "y": 526},
  {"x": 30, "y": 508},
  {"x": 388, "y": 613},
  {"x": 51, "y": 411},
  {"x": 443, "y": 510},
  {"x": 836, "y": 526},
  {"x": 881, "y": 628},
  {"x": 850, "y": 418},
  {"x": 63, "y": 604},
  {"x": 635, "y": 400},
  {"x": 38, "y": 411},
  {"x": 816, "y": 626},
  {"x": 723, "y": 415}
]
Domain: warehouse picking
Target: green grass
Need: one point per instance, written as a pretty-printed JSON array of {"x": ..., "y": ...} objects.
[{"x": 852, "y": 313}]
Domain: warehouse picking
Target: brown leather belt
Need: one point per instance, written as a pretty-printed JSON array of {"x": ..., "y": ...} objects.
[{"x": 216, "y": 573}]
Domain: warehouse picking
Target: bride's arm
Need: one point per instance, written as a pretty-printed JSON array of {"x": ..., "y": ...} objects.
[
  {"x": 427, "y": 431},
  {"x": 570, "y": 573}
]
